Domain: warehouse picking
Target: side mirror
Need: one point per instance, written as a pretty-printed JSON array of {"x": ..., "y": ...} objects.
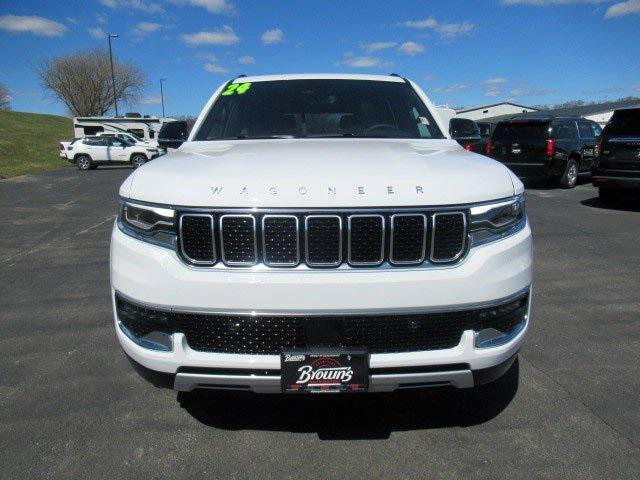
[{"x": 173, "y": 134}]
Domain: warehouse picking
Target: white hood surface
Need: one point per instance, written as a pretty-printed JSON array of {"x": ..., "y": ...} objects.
[{"x": 320, "y": 173}]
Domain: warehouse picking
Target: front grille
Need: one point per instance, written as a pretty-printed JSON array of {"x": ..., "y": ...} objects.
[
  {"x": 324, "y": 240},
  {"x": 197, "y": 238},
  {"x": 280, "y": 240},
  {"x": 270, "y": 334},
  {"x": 408, "y": 238},
  {"x": 238, "y": 240},
  {"x": 449, "y": 236},
  {"x": 361, "y": 238},
  {"x": 366, "y": 239}
]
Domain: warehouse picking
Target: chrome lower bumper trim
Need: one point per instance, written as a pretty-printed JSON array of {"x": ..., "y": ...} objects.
[{"x": 271, "y": 383}]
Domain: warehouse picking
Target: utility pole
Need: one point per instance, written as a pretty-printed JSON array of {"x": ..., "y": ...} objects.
[
  {"x": 113, "y": 76},
  {"x": 162, "y": 95}
]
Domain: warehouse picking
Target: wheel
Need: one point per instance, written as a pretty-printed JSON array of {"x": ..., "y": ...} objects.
[
  {"x": 569, "y": 178},
  {"x": 608, "y": 196},
  {"x": 138, "y": 160},
  {"x": 84, "y": 163}
]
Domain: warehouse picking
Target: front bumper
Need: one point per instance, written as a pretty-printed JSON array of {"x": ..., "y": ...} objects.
[
  {"x": 616, "y": 179},
  {"x": 156, "y": 276}
]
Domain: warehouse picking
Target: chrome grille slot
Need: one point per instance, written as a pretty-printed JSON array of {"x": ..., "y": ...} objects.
[
  {"x": 366, "y": 239},
  {"x": 323, "y": 240},
  {"x": 448, "y": 236},
  {"x": 238, "y": 242},
  {"x": 280, "y": 240},
  {"x": 197, "y": 239},
  {"x": 408, "y": 238}
]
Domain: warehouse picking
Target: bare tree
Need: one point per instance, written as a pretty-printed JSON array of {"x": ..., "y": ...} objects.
[
  {"x": 4, "y": 98},
  {"x": 82, "y": 81}
]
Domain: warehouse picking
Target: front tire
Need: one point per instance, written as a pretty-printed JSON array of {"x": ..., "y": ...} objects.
[
  {"x": 138, "y": 160},
  {"x": 84, "y": 163},
  {"x": 569, "y": 178}
]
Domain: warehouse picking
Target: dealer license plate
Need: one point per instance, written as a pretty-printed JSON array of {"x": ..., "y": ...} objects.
[{"x": 324, "y": 372}]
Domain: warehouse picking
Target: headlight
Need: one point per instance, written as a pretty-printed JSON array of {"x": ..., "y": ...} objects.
[
  {"x": 155, "y": 225},
  {"x": 494, "y": 221}
]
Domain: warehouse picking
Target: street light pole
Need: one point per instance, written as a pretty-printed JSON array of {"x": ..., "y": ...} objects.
[
  {"x": 113, "y": 76},
  {"x": 162, "y": 95}
]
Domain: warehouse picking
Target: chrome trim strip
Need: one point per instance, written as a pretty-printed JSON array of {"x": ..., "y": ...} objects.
[
  {"x": 186, "y": 382},
  {"x": 306, "y": 241},
  {"x": 255, "y": 241},
  {"x": 424, "y": 239},
  {"x": 328, "y": 313},
  {"x": 148, "y": 344},
  {"x": 433, "y": 236},
  {"x": 264, "y": 243},
  {"x": 213, "y": 240},
  {"x": 167, "y": 213},
  {"x": 381, "y": 258}
]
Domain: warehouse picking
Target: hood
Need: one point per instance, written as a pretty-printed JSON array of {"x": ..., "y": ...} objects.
[{"x": 319, "y": 173}]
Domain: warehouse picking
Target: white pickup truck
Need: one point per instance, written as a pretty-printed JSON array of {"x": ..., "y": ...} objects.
[
  {"x": 90, "y": 152},
  {"x": 321, "y": 233}
]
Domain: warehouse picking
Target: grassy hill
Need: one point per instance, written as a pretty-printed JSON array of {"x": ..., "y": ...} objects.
[{"x": 29, "y": 142}]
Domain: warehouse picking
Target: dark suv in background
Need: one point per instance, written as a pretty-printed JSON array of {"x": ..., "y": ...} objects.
[
  {"x": 617, "y": 165},
  {"x": 546, "y": 147},
  {"x": 467, "y": 133}
]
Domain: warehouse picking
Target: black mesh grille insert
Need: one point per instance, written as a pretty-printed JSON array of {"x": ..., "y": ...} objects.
[
  {"x": 247, "y": 334},
  {"x": 366, "y": 239},
  {"x": 197, "y": 239},
  {"x": 280, "y": 240},
  {"x": 408, "y": 238},
  {"x": 238, "y": 239},
  {"x": 324, "y": 246},
  {"x": 448, "y": 236}
]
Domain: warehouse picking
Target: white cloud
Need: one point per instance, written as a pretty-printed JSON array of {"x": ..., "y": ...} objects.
[
  {"x": 447, "y": 30},
  {"x": 450, "y": 30},
  {"x": 214, "y": 6},
  {"x": 623, "y": 8},
  {"x": 360, "y": 61},
  {"x": 31, "y": 24},
  {"x": 102, "y": 18},
  {"x": 221, "y": 36},
  {"x": 454, "y": 88},
  {"x": 377, "y": 46},
  {"x": 246, "y": 60},
  {"x": 151, "y": 100},
  {"x": 411, "y": 48},
  {"x": 97, "y": 33},
  {"x": 72, "y": 20},
  {"x": 494, "y": 81},
  {"x": 145, "y": 28},
  {"x": 271, "y": 37},
  {"x": 422, "y": 24},
  {"x": 135, "y": 4},
  {"x": 213, "y": 68}
]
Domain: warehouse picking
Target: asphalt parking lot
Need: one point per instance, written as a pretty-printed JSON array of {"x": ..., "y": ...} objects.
[{"x": 72, "y": 407}]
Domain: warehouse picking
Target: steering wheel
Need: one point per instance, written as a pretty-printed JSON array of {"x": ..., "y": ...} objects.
[{"x": 379, "y": 126}]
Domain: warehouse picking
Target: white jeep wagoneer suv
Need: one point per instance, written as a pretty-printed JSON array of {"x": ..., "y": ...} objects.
[{"x": 321, "y": 233}]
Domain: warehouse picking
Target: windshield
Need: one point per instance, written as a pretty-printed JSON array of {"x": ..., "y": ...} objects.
[
  {"x": 318, "y": 108},
  {"x": 521, "y": 131}
]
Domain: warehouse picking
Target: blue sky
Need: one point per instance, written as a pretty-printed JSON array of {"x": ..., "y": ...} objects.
[{"x": 462, "y": 52}]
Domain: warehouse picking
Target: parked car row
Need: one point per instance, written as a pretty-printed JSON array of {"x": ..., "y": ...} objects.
[
  {"x": 561, "y": 149},
  {"x": 89, "y": 152}
]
